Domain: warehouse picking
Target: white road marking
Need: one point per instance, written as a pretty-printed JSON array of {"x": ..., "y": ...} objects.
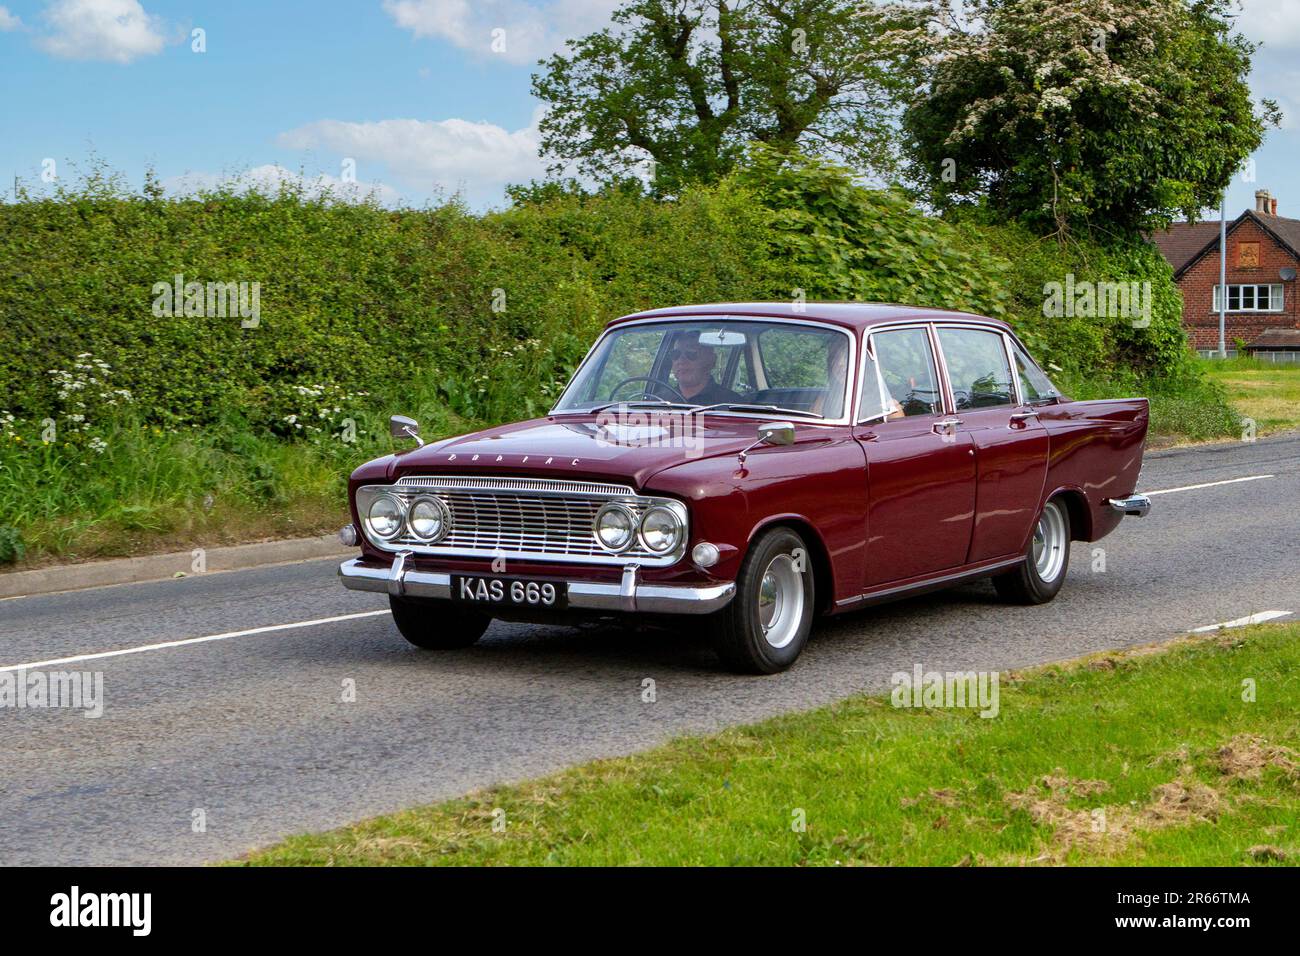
[
  {"x": 189, "y": 640},
  {"x": 1259, "y": 618},
  {"x": 1208, "y": 484}
]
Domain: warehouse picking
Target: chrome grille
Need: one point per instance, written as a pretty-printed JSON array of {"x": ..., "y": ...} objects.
[{"x": 523, "y": 518}]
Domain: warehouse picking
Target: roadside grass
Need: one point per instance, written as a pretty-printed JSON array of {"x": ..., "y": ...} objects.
[
  {"x": 1266, "y": 392},
  {"x": 152, "y": 490},
  {"x": 1144, "y": 757}
]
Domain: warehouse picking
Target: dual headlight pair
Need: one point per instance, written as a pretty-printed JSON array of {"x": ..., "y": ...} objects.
[
  {"x": 426, "y": 516},
  {"x": 661, "y": 529}
]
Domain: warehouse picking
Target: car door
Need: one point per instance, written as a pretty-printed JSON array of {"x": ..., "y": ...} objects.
[
  {"x": 920, "y": 471},
  {"x": 1011, "y": 444}
]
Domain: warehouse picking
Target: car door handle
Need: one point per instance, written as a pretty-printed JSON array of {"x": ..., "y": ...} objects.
[
  {"x": 947, "y": 426},
  {"x": 1021, "y": 419}
]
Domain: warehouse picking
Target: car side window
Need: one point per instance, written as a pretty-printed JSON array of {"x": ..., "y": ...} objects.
[
  {"x": 1035, "y": 386},
  {"x": 873, "y": 401},
  {"x": 977, "y": 368},
  {"x": 907, "y": 368},
  {"x": 632, "y": 355}
]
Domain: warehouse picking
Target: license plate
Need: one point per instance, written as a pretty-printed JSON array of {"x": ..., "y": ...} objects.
[{"x": 516, "y": 592}]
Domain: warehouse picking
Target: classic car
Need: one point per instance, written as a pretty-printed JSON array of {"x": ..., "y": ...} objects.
[{"x": 751, "y": 467}]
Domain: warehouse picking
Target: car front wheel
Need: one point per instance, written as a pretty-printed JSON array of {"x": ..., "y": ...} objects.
[
  {"x": 767, "y": 623},
  {"x": 437, "y": 625},
  {"x": 1047, "y": 558}
]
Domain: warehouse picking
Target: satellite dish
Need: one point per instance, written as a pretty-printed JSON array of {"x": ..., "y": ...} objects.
[{"x": 1287, "y": 274}]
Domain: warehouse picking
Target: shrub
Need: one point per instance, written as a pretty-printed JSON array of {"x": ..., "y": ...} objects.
[{"x": 11, "y": 545}]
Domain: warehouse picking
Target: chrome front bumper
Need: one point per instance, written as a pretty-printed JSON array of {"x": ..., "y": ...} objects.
[
  {"x": 1136, "y": 505},
  {"x": 631, "y": 594}
]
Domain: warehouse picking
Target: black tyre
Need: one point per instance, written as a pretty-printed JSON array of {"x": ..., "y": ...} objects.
[
  {"x": 767, "y": 623},
  {"x": 437, "y": 625},
  {"x": 1047, "y": 558}
]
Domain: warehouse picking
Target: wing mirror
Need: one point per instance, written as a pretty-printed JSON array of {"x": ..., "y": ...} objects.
[
  {"x": 776, "y": 433},
  {"x": 770, "y": 433},
  {"x": 402, "y": 427}
]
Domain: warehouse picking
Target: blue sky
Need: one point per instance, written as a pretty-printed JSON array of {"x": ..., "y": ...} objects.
[{"x": 412, "y": 91}]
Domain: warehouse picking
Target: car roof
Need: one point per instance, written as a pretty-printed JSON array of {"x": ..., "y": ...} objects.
[{"x": 852, "y": 315}]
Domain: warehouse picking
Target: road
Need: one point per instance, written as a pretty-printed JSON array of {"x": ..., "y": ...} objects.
[{"x": 252, "y": 729}]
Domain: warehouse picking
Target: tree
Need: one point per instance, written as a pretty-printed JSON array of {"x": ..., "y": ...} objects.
[
  {"x": 1112, "y": 114},
  {"x": 688, "y": 83}
]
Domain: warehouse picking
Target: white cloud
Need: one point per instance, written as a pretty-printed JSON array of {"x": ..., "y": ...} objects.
[
  {"x": 8, "y": 21},
  {"x": 270, "y": 177},
  {"x": 529, "y": 30},
  {"x": 1274, "y": 73},
  {"x": 1274, "y": 22},
  {"x": 447, "y": 154},
  {"x": 115, "y": 30}
]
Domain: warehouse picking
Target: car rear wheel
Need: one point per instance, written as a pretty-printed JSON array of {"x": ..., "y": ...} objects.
[
  {"x": 1047, "y": 558},
  {"x": 767, "y": 623},
  {"x": 437, "y": 625}
]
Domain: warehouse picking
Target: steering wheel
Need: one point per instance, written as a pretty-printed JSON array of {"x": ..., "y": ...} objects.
[{"x": 645, "y": 393}]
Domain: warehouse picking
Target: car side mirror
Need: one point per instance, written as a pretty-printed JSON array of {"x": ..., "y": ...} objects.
[
  {"x": 776, "y": 433},
  {"x": 770, "y": 433},
  {"x": 402, "y": 427}
]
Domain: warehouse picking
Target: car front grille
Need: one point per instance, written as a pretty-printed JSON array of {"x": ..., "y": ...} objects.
[{"x": 524, "y": 518}]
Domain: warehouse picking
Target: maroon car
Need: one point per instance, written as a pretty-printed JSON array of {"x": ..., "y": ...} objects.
[{"x": 753, "y": 465}]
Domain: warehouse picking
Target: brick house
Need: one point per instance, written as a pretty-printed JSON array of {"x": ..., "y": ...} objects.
[{"x": 1263, "y": 256}]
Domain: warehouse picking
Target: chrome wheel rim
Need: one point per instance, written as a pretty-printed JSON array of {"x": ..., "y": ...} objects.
[
  {"x": 1050, "y": 543},
  {"x": 780, "y": 601}
]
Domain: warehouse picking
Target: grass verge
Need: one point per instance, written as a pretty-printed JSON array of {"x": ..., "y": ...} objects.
[
  {"x": 1152, "y": 756},
  {"x": 1265, "y": 392},
  {"x": 150, "y": 490}
]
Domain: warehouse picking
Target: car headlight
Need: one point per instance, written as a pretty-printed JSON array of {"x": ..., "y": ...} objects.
[
  {"x": 615, "y": 527},
  {"x": 428, "y": 518},
  {"x": 385, "y": 517},
  {"x": 661, "y": 530}
]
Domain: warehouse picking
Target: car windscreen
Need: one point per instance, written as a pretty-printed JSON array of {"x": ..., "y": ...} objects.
[{"x": 791, "y": 366}]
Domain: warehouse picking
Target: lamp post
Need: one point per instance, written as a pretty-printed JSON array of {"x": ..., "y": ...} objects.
[{"x": 1223, "y": 272}]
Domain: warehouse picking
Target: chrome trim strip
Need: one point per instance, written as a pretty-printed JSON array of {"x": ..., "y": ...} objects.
[
  {"x": 1015, "y": 374},
  {"x": 941, "y": 369},
  {"x": 941, "y": 581},
  {"x": 850, "y": 385},
  {"x": 628, "y": 595},
  {"x": 1135, "y": 505},
  {"x": 544, "y": 486}
]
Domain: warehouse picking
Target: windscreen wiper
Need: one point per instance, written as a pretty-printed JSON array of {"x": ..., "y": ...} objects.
[
  {"x": 657, "y": 402},
  {"x": 744, "y": 406}
]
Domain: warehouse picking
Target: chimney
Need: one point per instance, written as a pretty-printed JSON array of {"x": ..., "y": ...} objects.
[
  {"x": 1262, "y": 202},
  {"x": 1273, "y": 206}
]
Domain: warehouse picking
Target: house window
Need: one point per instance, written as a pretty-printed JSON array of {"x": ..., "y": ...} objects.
[{"x": 1251, "y": 298}]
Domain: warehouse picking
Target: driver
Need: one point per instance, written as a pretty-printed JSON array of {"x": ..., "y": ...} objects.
[{"x": 693, "y": 368}]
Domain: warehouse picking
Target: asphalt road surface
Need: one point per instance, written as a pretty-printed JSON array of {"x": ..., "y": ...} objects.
[{"x": 250, "y": 727}]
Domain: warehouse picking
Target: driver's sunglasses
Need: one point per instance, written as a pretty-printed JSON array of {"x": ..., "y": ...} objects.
[{"x": 691, "y": 356}]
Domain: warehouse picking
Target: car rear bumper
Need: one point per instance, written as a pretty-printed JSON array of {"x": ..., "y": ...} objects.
[
  {"x": 630, "y": 594},
  {"x": 1136, "y": 505}
]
